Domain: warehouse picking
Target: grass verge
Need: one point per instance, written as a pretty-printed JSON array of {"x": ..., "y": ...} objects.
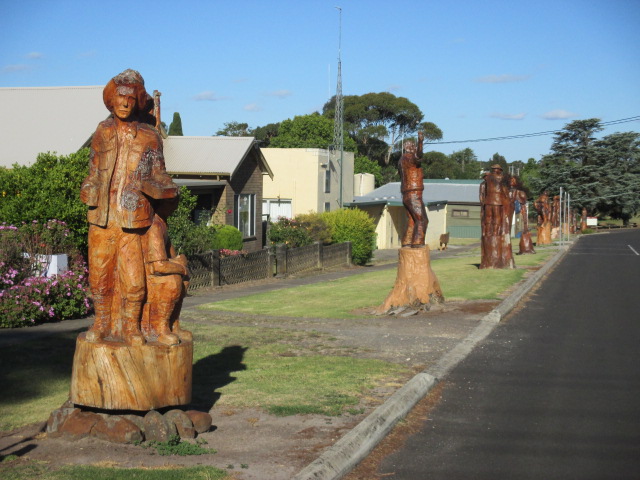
[
  {"x": 281, "y": 371},
  {"x": 18, "y": 470},
  {"x": 284, "y": 372},
  {"x": 459, "y": 278}
]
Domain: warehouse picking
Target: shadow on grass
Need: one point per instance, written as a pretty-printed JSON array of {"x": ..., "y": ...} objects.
[
  {"x": 30, "y": 368},
  {"x": 214, "y": 372}
]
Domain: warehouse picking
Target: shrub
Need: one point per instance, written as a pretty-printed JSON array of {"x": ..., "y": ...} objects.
[
  {"x": 187, "y": 237},
  {"x": 227, "y": 237},
  {"x": 355, "y": 226},
  {"x": 317, "y": 227},
  {"x": 50, "y": 188},
  {"x": 290, "y": 233}
]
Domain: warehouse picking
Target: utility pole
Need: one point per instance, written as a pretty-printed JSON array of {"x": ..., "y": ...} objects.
[{"x": 338, "y": 121}]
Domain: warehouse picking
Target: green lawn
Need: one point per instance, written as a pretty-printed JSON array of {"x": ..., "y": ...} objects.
[{"x": 459, "y": 278}]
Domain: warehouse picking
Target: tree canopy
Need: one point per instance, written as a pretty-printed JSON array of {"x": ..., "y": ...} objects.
[
  {"x": 308, "y": 131},
  {"x": 601, "y": 175},
  {"x": 380, "y": 117},
  {"x": 234, "y": 129}
]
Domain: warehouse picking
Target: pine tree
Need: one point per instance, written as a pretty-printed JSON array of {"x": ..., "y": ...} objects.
[{"x": 176, "y": 125}]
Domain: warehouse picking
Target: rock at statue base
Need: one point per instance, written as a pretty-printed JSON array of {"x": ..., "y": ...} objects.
[
  {"x": 416, "y": 283},
  {"x": 116, "y": 376}
]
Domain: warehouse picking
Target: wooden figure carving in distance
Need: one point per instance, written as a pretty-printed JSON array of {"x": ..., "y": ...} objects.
[
  {"x": 526, "y": 243},
  {"x": 543, "y": 207},
  {"x": 496, "y": 207},
  {"x": 416, "y": 284},
  {"x": 134, "y": 356}
]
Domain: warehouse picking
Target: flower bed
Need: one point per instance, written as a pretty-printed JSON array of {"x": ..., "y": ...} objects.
[{"x": 27, "y": 297}]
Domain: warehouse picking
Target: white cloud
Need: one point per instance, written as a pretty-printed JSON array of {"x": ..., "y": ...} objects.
[
  {"x": 393, "y": 88},
  {"x": 15, "y": 68},
  {"x": 240, "y": 80},
  {"x": 558, "y": 115},
  {"x": 509, "y": 116},
  {"x": 252, "y": 107},
  {"x": 207, "y": 96},
  {"x": 34, "y": 55},
  {"x": 503, "y": 78},
  {"x": 280, "y": 93}
]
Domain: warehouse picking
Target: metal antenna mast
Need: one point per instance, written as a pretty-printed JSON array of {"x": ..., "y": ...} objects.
[{"x": 338, "y": 121}]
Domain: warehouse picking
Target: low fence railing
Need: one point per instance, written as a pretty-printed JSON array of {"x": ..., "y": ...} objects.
[{"x": 209, "y": 269}]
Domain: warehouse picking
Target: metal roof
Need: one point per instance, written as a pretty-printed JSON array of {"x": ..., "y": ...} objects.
[
  {"x": 210, "y": 155},
  {"x": 435, "y": 191},
  {"x": 47, "y": 119}
]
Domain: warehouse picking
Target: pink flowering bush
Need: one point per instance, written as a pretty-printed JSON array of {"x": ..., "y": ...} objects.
[{"x": 26, "y": 297}]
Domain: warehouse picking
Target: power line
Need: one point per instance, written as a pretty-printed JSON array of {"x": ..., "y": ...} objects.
[{"x": 537, "y": 134}]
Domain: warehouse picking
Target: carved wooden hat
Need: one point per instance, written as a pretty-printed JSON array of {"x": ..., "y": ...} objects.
[{"x": 131, "y": 82}]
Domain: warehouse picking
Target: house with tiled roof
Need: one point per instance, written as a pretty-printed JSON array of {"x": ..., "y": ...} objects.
[{"x": 452, "y": 206}]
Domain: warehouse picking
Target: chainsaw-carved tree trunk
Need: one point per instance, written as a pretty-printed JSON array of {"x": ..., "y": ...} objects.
[
  {"x": 117, "y": 376},
  {"x": 416, "y": 283}
]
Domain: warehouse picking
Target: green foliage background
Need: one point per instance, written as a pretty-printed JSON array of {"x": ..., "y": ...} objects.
[{"x": 48, "y": 189}]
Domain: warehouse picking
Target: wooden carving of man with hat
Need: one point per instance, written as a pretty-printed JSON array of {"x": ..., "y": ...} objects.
[{"x": 126, "y": 173}]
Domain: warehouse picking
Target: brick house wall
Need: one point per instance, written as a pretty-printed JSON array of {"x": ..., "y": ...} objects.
[{"x": 247, "y": 180}]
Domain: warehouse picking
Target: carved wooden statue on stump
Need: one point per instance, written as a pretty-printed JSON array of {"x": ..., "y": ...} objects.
[
  {"x": 543, "y": 208},
  {"x": 134, "y": 356},
  {"x": 526, "y": 243},
  {"x": 583, "y": 220},
  {"x": 497, "y": 197},
  {"x": 416, "y": 284}
]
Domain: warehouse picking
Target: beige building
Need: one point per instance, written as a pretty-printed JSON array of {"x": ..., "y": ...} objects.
[{"x": 305, "y": 180}]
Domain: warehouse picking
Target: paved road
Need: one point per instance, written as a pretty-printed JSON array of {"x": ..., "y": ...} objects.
[{"x": 554, "y": 391}]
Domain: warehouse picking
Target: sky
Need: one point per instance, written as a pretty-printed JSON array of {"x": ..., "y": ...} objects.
[{"x": 477, "y": 70}]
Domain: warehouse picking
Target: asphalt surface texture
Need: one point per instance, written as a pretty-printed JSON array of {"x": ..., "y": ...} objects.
[{"x": 552, "y": 392}]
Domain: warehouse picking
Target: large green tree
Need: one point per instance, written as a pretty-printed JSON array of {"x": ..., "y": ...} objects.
[
  {"x": 175, "y": 128},
  {"x": 576, "y": 141},
  {"x": 378, "y": 117},
  {"x": 439, "y": 165},
  {"x": 264, "y": 134},
  {"x": 308, "y": 131},
  {"x": 470, "y": 167},
  {"x": 601, "y": 175},
  {"x": 234, "y": 129}
]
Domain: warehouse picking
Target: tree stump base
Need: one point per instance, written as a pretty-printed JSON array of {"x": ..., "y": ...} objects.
[
  {"x": 416, "y": 283},
  {"x": 116, "y": 376},
  {"x": 544, "y": 234},
  {"x": 526, "y": 244}
]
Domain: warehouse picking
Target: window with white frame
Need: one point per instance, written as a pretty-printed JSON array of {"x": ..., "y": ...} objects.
[
  {"x": 327, "y": 181},
  {"x": 245, "y": 217}
]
